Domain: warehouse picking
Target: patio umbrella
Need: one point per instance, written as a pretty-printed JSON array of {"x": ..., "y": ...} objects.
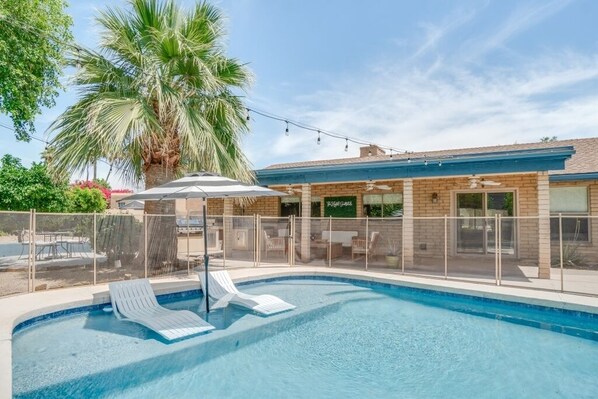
[{"x": 203, "y": 185}]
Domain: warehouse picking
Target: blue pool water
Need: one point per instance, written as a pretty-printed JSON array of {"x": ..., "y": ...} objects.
[{"x": 342, "y": 341}]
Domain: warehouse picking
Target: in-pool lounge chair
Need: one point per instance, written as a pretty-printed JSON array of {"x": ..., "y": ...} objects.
[
  {"x": 134, "y": 300},
  {"x": 223, "y": 291}
]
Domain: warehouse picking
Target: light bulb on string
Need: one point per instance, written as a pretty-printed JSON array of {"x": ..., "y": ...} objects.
[
  {"x": 299, "y": 125},
  {"x": 439, "y": 163},
  {"x": 426, "y": 162}
]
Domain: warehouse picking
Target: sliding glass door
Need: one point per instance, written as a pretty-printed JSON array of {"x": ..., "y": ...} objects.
[{"x": 475, "y": 226}]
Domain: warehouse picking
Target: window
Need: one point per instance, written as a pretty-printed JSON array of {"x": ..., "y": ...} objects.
[
  {"x": 292, "y": 206},
  {"x": 572, "y": 203},
  {"x": 316, "y": 207},
  {"x": 381, "y": 205}
]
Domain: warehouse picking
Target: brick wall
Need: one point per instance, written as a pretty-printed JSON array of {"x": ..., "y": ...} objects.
[
  {"x": 215, "y": 206},
  {"x": 429, "y": 233},
  {"x": 269, "y": 206}
]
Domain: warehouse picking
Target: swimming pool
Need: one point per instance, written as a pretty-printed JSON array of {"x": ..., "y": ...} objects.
[{"x": 345, "y": 340}]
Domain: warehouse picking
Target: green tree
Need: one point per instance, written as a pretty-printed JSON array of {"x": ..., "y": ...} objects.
[
  {"x": 85, "y": 200},
  {"x": 33, "y": 37},
  {"x": 547, "y": 139},
  {"x": 22, "y": 189},
  {"x": 102, "y": 182},
  {"x": 159, "y": 98}
]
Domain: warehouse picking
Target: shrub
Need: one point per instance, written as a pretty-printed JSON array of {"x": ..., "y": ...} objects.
[{"x": 85, "y": 200}]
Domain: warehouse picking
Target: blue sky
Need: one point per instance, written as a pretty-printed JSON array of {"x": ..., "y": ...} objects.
[{"x": 418, "y": 75}]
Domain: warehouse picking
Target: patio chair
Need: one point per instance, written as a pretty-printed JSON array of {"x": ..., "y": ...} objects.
[
  {"x": 274, "y": 244},
  {"x": 361, "y": 247},
  {"x": 224, "y": 292},
  {"x": 135, "y": 301}
]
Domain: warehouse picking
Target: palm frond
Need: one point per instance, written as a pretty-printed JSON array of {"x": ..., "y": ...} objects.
[{"x": 156, "y": 93}]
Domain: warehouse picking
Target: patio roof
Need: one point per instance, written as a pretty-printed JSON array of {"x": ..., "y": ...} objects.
[{"x": 514, "y": 161}]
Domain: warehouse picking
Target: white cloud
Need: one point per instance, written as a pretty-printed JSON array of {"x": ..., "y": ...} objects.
[
  {"x": 437, "y": 99},
  {"x": 434, "y": 33},
  {"x": 413, "y": 110},
  {"x": 521, "y": 19}
]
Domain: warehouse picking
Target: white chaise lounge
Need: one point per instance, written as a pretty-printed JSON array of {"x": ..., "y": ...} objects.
[
  {"x": 135, "y": 301},
  {"x": 223, "y": 291}
]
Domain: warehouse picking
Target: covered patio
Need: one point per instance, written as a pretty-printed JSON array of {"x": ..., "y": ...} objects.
[{"x": 451, "y": 209}]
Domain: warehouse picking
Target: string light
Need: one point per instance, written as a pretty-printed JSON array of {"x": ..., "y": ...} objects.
[
  {"x": 409, "y": 160},
  {"x": 321, "y": 131},
  {"x": 370, "y": 151},
  {"x": 79, "y": 49},
  {"x": 426, "y": 162}
]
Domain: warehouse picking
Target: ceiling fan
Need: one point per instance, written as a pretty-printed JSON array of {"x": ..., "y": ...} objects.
[
  {"x": 372, "y": 185},
  {"x": 475, "y": 181},
  {"x": 290, "y": 190}
]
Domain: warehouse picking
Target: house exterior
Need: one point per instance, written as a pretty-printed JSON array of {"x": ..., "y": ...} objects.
[{"x": 527, "y": 185}]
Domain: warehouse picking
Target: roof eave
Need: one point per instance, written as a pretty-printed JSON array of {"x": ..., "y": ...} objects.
[
  {"x": 534, "y": 160},
  {"x": 574, "y": 176}
]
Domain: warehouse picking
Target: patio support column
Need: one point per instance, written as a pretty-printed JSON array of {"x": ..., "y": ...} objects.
[
  {"x": 227, "y": 224},
  {"x": 305, "y": 222},
  {"x": 543, "y": 226},
  {"x": 408, "y": 222}
]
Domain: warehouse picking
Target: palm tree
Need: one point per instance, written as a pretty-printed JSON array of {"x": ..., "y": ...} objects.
[{"x": 159, "y": 97}]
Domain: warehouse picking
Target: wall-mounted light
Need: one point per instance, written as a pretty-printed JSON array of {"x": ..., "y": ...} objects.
[{"x": 434, "y": 198}]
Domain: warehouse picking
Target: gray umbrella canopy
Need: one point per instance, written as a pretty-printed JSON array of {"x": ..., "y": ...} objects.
[{"x": 203, "y": 185}]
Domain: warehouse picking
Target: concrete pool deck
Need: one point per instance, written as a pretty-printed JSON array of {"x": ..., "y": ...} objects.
[{"x": 19, "y": 308}]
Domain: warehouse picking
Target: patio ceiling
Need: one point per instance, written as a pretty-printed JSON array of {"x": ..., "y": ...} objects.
[{"x": 531, "y": 160}]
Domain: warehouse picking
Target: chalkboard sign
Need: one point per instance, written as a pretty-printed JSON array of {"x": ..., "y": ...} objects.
[{"x": 340, "y": 207}]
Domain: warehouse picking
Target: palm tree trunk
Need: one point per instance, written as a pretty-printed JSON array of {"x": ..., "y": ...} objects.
[{"x": 162, "y": 233}]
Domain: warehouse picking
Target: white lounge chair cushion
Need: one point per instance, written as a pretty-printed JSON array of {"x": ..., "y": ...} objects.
[
  {"x": 135, "y": 301},
  {"x": 264, "y": 304},
  {"x": 223, "y": 290}
]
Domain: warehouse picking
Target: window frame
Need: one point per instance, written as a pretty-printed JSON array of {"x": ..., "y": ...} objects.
[
  {"x": 382, "y": 203},
  {"x": 314, "y": 200},
  {"x": 573, "y": 214},
  {"x": 285, "y": 200}
]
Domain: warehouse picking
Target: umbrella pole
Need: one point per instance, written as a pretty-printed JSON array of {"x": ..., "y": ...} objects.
[{"x": 205, "y": 257}]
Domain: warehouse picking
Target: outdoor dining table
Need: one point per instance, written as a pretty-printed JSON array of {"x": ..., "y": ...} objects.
[{"x": 53, "y": 241}]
